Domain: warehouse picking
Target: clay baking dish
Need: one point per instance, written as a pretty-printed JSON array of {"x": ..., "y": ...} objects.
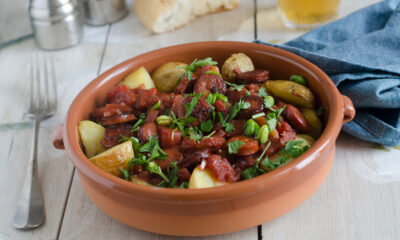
[{"x": 194, "y": 212}]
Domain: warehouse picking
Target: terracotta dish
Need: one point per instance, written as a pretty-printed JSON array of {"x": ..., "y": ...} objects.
[{"x": 194, "y": 212}]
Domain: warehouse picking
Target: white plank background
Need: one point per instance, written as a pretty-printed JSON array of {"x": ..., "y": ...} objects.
[{"x": 359, "y": 200}]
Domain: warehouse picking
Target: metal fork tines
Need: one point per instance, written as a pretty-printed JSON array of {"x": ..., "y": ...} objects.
[{"x": 43, "y": 104}]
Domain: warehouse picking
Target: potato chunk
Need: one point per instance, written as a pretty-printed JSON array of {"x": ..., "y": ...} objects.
[
  {"x": 292, "y": 92},
  {"x": 203, "y": 179},
  {"x": 236, "y": 62},
  {"x": 114, "y": 158},
  {"x": 91, "y": 135},
  {"x": 313, "y": 119},
  {"x": 167, "y": 76},
  {"x": 138, "y": 77}
]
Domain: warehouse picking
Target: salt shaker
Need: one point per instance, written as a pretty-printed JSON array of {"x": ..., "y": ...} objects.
[
  {"x": 56, "y": 24},
  {"x": 101, "y": 12}
]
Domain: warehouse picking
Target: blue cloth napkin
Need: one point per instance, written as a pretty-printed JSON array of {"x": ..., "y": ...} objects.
[{"x": 361, "y": 54}]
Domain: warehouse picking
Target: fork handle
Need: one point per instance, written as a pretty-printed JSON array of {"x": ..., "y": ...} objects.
[{"x": 30, "y": 211}]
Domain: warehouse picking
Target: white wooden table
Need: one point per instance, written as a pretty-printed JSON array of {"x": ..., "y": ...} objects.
[{"x": 359, "y": 200}]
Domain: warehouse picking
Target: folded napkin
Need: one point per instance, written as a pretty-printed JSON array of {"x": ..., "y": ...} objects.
[{"x": 361, "y": 54}]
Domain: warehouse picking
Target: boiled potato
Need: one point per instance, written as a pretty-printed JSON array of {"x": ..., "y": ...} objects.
[
  {"x": 313, "y": 119},
  {"x": 91, "y": 134},
  {"x": 307, "y": 139},
  {"x": 139, "y": 181},
  {"x": 138, "y": 77},
  {"x": 167, "y": 76},
  {"x": 203, "y": 179},
  {"x": 292, "y": 92},
  {"x": 238, "y": 61},
  {"x": 113, "y": 159}
]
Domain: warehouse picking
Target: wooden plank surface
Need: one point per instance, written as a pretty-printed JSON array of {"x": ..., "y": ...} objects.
[
  {"x": 127, "y": 39},
  {"x": 74, "y": 68},
  {"x": 359, "y": 199}
]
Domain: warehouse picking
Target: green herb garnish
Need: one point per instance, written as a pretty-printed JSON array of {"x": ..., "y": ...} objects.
[
  {"x": 234, "y": 86},
  {"x": 255, "y": 170},
  {"x": 320, "y": 111},
  {"x": 139, "y": 122},
  {"x": 126, "y": 174},
  {"x": 233, "y": 147},
  {"x": 189, "y": 69},
  {"x": 213, "y": 72},
  {"x": 262, "y": 92},
  {"x": 206, "y": 126},
  {"x": 156, "y": 106}
]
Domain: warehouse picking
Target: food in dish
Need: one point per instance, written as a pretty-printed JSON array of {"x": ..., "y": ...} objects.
[{"x": 199, "y": 129}]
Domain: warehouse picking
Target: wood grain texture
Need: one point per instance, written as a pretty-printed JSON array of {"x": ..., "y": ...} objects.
[
  {"x": 128, "y": 38},
  {"x": 74, "y": 68},
  {"x": 351, "y": 204}
]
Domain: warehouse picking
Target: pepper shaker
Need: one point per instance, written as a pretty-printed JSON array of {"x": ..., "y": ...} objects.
[
  {"x": 56, "y": 24},
  {"x": 101, "y": 12}
]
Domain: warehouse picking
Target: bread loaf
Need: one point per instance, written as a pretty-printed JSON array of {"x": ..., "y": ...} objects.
[{"x": 166, "y": 15}]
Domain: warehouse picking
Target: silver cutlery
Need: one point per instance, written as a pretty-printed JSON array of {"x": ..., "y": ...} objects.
[{"x": 43, "y": 104}]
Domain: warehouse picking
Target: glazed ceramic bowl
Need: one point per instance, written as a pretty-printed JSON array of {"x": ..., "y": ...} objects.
[{"x": 194, "y": 212}]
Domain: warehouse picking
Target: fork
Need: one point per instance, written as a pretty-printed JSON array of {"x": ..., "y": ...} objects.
[{"x": 43, "y": 104}]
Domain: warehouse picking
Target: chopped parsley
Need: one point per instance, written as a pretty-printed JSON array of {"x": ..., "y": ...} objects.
[
  {"x": 172, "y": 175},
  {"x": 320, "y": 111},
  {"x": 292, "y": 149},
  {"x": 234, "y": 86},
  {"x": 255, "y": 170},
  {"x": 139, "y": 122},
  {"x": 206, "y": 126},
  {"x": 156, "y": 106},
  {"x": 262, "y": 92},
  {"x": 233, "y": 147},
  {"x": 189, "y": 69},
  {"x": 127, "y": 175},
  {"x": 213, "y": 72}
]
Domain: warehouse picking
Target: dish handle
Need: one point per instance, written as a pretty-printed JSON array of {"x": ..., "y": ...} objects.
[
  {"x": 58, "y": 141},
  {"x": 348, "y": 109}
]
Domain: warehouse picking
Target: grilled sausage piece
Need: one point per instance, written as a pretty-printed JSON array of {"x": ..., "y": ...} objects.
[
  {"x": 123, "y": 118},
  {"x": 210, "y": 83},
  {"x": 296, "y": 118},
  {"x": 255, "y": 76},
  {"x": 221, "y": 168},
  {"x": 146, "y": 131},
  {"x": 249, "y": 147},
  {"x": 193, "y": 158},
  {"x": 169, "y": 137},
  {"x": 113, "y": 133},
  {"x": 256, "y": 106},
  {"x": 173, "y": 156}
]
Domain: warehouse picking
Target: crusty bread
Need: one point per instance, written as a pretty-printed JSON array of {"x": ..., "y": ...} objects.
[{"x": 166, "y": 15}]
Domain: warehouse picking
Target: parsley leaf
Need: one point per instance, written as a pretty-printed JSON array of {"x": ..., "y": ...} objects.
[
  {"x": 139, "y": 122},
  {"x": 255, "y": 170},
  {"x": 228, "y": 127},
  {"x": 320, "y": 111},
  {"x": 156, "y": 106},
  {"x": 153, "y": 147},
  {"x": 189, "y": 69},
  {"x": 234, "y": 86},
  {"x": 190, "y": 106},
  {"x": 172, "y": 175},
  {"x": 262, "y": 92},
  {"x": 233, "y": 147},
  {"x": 135, "y": 143},
  {"x": 213, "y": 72},
  {"x": 206, "y": 126},
  {"x": 127, "y": 175}
]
